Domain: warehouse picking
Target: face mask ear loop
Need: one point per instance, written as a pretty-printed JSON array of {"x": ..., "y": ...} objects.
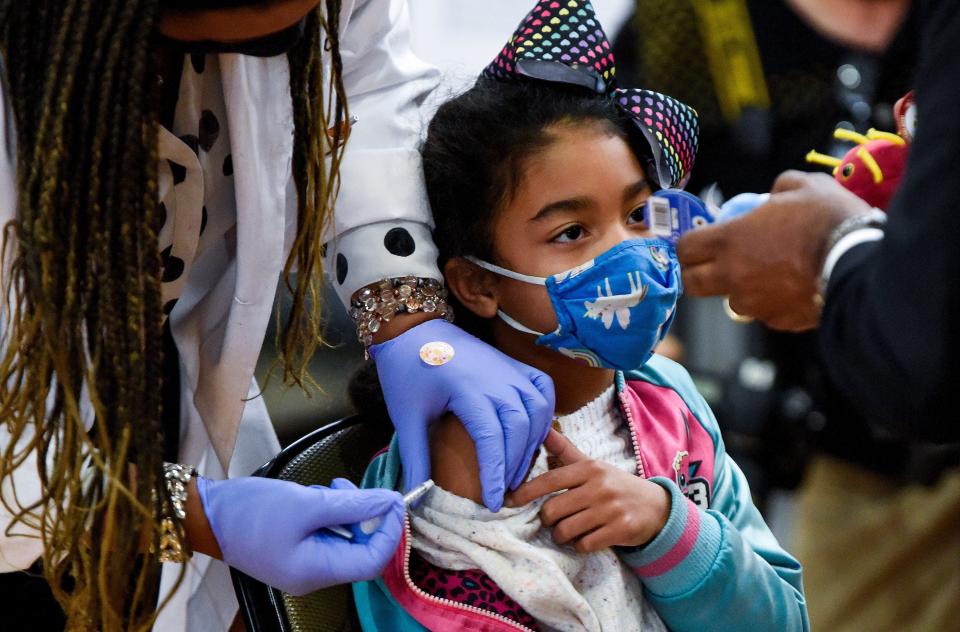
[
  {"x": 516, "y": 325},
  {"x": 510, "y": 274}
]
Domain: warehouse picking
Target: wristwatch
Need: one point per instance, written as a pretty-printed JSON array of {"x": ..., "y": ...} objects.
[{"x": 850, "y": 232}]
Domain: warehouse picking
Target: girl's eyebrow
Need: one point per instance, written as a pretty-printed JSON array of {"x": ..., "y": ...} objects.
[
  {"x": 635, "y": 189},
  {"x": 579, "y": 203},
  {"x": 562, "y": 206}
]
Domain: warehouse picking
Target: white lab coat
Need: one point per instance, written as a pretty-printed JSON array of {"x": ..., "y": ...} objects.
[{"x": 225, "y": 294}]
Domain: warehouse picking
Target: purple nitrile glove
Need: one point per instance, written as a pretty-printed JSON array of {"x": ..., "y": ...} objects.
[
  {"x": 505, "y": 405},
  {"x": 273, "y": 530}
]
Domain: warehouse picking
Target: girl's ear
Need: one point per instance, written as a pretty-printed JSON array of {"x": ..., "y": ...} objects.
[{"x": 473, "y": 286}]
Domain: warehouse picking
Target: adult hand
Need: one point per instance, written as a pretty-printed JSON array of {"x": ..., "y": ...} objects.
[
  {"x": 768, "y": 261},
  {"x": 505, "y": 406},
  {"x": 273, "y": 530},
  {"x": 599, "y": 505}
]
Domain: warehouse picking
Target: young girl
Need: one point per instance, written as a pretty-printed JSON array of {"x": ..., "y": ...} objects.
[{"x": 633, "y": 517}]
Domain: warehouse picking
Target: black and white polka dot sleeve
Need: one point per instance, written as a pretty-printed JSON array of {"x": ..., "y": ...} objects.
[
  {"x": 383, "y": 223},
  {"x": 395, "y": 236}
]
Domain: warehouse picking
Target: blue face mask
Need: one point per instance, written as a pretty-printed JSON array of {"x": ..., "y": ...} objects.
[{"x": 613, "y": 310}]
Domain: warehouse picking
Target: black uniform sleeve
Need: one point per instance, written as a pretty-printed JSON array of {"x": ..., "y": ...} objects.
[{"x": 889, "y": 331}]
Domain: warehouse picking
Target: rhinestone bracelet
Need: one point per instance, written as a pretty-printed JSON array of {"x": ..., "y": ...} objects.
[
  {"x": 176, "y": 477},
  {"x": 379, "y": 302}
]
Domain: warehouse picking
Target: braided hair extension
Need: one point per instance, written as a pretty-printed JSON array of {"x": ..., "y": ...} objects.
[
  {"x": 84, "y": 300},
  {"x": 321, "y": 134},
  {"x": 81, "y": 297}
]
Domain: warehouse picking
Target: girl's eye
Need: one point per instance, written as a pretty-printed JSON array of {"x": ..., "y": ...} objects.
[
  {"x": 571, "y": 234},
  {"x": 636, "y": 216}
]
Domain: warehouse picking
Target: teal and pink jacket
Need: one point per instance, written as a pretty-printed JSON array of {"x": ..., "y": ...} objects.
[{"x": 714, "y": 566}]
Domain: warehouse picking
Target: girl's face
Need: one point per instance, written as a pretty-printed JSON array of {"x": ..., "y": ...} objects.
[{"x": 576, "y": 199}]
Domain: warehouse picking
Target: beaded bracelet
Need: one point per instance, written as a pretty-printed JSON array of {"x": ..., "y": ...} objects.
[
  {"x": 379, "y": 302},
  {"x": 173, "y": 547}
]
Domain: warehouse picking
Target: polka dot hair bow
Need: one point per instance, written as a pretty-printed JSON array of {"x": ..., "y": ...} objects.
[{"x": 561, "y": 41}]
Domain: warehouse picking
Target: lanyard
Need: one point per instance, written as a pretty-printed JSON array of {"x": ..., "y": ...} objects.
[{"x": 731, "y": 50}]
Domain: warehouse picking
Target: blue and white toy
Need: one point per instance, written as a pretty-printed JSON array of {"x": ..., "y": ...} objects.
[{"x": 669, "y": 213}]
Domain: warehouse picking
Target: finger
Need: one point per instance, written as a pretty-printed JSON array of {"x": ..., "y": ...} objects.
[
  {"x": 562, "y": 448},
  {"x": 795, "y": 322},
  {"x": 789, "y": 180},
  {"x": 381, "y": 546},
  {"x": 540, "y": 409},
  {"x": 480, "y": 419},
  {"x": 701, "y": 245},
  {"x": 556, "y": 480},
  {"x": 705, "y": 279},
  {"x": 576, "y": 526},
  {"x": 333, "y": 560},
  {"x": 603, "y": 537},
  {"x": 342, "y": 506},
  {"x": 740, "y": 311},
  {"x": 526, "y": 461},
  {"x": 566, "y": 504},
  {"x": 321, "y": 554},
  {"x": 342, "y": 483},
  {"x": 544, "y": 415},
  {"x": 413, "y": 441},
  {"x": 515, "y": 422}
]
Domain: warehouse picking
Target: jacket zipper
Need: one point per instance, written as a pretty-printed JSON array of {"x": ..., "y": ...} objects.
[
  {"x": 633, "y": 430},
  {"x": 408, "y": 544},
  {"x": 407, "y": 547}
]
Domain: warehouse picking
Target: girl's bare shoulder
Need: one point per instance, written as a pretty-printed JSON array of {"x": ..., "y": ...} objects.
[{"x": 453, "y": 459}]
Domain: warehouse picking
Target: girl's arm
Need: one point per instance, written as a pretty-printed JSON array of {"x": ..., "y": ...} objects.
[
  {"x": 719, "y": 569},
  {"x": 453, "y": 456}
]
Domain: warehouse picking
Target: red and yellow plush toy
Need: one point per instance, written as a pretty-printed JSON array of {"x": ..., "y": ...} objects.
[{"x": 874, "y": 167}]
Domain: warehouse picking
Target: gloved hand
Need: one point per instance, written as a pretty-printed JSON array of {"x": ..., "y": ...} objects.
[
  {"x": 506, "y": 406},
  {"x": 271, "y": 530}
]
